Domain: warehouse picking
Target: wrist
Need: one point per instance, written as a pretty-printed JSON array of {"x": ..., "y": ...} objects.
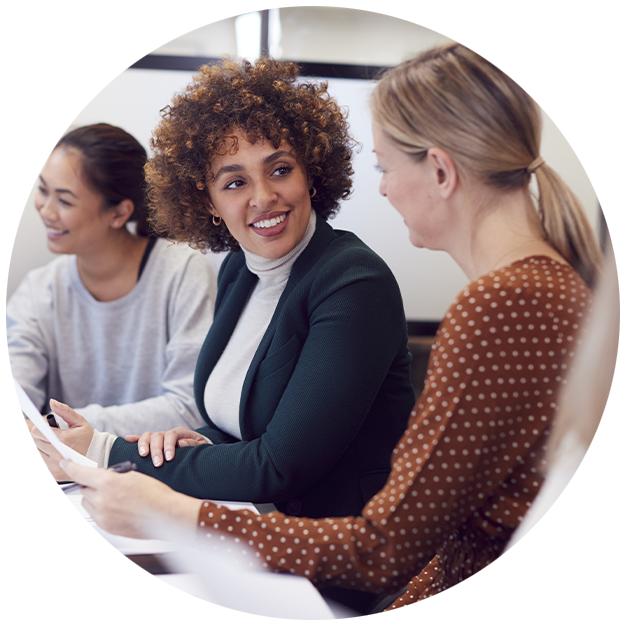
[
  {"x": 184, "y": 511},
  {"x": 99, "y": 448}
]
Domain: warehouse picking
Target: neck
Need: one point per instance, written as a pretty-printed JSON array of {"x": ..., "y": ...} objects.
[
  {"x": 501, "y": 228},
  {"x": 110, "y": 270}
]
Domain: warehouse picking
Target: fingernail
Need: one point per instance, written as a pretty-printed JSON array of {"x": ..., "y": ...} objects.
[
  {"x": 54, "y": 401},
  {"x": 156, "y": 461},
  {"x": 168, "y": 455},
  {"x": 142, "y": 451},
  {"x": 62, "y": 463}
]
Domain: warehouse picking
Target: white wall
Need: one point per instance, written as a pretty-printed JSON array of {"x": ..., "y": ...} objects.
[
  {"x": 429, "y": 280},
  {"x": 43, "y": 102}
]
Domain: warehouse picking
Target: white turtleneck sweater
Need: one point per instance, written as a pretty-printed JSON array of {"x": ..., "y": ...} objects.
[{"x": 224, "y": 386}]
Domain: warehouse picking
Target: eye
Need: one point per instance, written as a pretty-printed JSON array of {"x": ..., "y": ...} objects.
[
  {"x": 379, "y": 169},
  {"x": 232, "y": 185},
  {"x": 282, "y": 170},
  {"x": 62, "y": 201}
]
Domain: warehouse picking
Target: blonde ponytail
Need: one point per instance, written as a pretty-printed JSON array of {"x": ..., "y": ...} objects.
[
  {"x": 452, "y": 98},
  {"x": 566, "y": 225}
]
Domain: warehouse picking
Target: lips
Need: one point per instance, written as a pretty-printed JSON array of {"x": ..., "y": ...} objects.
[
  {"x": 55, "y": 233},
  {"x": 270, "y": 224}
]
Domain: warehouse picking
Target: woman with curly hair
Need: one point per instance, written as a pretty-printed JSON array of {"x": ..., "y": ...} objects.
[
  {"x": 304, "y": 377},
  {"x": 458, "y": 143}
]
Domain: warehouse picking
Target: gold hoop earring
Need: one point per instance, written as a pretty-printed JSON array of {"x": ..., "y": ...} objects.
[
  {"x": 217, "y": 220},
  {"x": 313, "y": 194}
]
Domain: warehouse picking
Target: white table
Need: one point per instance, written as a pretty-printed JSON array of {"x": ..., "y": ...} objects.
[{"x": 47, "y": 576}]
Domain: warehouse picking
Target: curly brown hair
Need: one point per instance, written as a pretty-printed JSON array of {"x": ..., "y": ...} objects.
[{"x": 263, "y": 100}]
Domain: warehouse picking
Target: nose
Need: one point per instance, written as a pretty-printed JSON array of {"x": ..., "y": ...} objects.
[
  {"x": 45, "y": 207},
  {"x": 382, "y": 186},
  {"x": 263, "y": 195}
]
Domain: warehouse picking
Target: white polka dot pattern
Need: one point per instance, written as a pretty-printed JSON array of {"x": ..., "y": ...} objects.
[{"x": 469, "y": 464}]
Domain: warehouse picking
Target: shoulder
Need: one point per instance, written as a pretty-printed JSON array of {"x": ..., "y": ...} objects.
[
  {"x": 530, "y": 294},
  {"x": 344, "y": 257},
  {"x": 43, "y": 289},
  {"x": 178, "y": 258},
  {"x": 59, "y": 270}
]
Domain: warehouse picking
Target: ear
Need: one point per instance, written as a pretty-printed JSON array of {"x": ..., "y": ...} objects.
[
  {"x": 121, "y": 213},
  {"x": 445, "y": 172},
  {"x": 210, "y": 208}
]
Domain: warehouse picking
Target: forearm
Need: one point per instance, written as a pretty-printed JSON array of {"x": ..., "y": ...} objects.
[
  {"x": 31, "y": 371},
  {"x": 27, "y": 345},
  {"x": 334, "y": 551},
  {"x": 157, "y": 413},
  {"x": 233, "y": 472}
]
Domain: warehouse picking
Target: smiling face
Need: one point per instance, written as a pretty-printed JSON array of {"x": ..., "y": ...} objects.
[
  {"x": 262, "y": 194},
  {"x": 71, "y": 211}
]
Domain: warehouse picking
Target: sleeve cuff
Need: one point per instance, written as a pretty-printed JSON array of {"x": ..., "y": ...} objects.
[{"x": 100, "y": 448}]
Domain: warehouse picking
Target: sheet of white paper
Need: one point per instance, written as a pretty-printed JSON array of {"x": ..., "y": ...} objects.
[
  {"x": 228, "y": 577},
  {"x": 29, "y": 409}
]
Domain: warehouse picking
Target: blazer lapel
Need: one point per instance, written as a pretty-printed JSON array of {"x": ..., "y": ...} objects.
[{"x": 323, "y": 235}]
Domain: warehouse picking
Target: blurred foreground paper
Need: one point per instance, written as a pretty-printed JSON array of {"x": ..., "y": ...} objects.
[
  {"x": 29, "y": 409},
  {"x": 225, "y": 575}
]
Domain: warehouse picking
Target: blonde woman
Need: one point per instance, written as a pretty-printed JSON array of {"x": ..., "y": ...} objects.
[{"x": 458, "y": 143}]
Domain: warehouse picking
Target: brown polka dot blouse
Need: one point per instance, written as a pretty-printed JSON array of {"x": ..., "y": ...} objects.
[{"x": 469, "y": 464}]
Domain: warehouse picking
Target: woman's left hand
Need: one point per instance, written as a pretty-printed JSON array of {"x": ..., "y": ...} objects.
[
  {"x": 126, "y": 503},
  {"x": 78, "y": 436}
]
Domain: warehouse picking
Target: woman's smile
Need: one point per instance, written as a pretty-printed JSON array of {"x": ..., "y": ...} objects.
[{"x": 266, "y": 224}]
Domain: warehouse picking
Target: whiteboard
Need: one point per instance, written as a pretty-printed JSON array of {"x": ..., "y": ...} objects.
[{"x": 429, "y": 280}]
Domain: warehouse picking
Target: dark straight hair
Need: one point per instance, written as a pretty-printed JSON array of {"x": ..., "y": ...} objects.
[{"x": 112, "y": 163}]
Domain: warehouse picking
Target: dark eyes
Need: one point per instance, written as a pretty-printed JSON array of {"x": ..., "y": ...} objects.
[
  {"x": 234, "y": 184},
  {"x": 283, "y": 170},
  {"x": 280, "y": 171},
  {"x": 44, "y": 192}
]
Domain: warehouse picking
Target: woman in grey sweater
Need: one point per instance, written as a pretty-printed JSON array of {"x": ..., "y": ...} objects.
[{"x": 114, "y": 324}]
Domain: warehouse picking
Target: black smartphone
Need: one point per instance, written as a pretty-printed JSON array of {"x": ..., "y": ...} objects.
[
  {"x": 128, "y": 565},
  {"x": 51, "y": 420}
]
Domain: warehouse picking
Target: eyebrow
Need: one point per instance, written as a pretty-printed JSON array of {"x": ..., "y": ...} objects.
[
  {"x": 278, "y": 154},
  {"x": 59, "y": 190}
]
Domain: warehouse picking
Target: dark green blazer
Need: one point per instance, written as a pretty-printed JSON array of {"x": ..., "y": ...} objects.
[{"x": 326, "y": 397}]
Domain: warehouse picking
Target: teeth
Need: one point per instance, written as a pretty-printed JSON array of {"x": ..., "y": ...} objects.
[
  {"x": 265, "y": 224},
  {"x": 55, "y": 231}
]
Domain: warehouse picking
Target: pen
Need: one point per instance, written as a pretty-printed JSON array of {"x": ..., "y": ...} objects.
[
  {"x": 51, "y": 420},
  {"x": 120, "y": 467}
]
